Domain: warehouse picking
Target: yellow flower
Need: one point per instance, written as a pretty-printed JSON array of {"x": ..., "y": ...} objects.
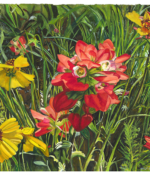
[
  {"x": 12, "y": 68},
  {"x": 31, "y": 141},
  {"x": 142, "y": 21},
  {"x": 9, "y": 139}
]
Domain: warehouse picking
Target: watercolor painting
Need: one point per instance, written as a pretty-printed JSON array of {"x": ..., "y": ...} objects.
[{"x": 74, "y": 87}]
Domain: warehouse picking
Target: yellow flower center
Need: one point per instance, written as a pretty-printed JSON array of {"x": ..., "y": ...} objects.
[
  {"x": 80, "y": 71},
  {"x": 11, "y": 72},
  {"x": 146, "y": 24},
  {"x": 10, "y": 62}
]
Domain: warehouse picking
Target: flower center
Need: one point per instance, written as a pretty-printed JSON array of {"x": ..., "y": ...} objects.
[
  {"x": 79, "y": 71},
  {"x": 1, "y": 135},
  {"x": 92, "y": 58},
  {"x": 108, "y": 65},
  {"x": 10, "y": 62},
  {"x": 99, "y": 86},
  {"x": 146, "y": 24},
  {"x": 11, "y": 72}
]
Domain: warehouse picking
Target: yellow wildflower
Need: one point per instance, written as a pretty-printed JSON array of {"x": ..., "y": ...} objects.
[
  {"x": 142, "y": 21},
  {"x": 31, "y": 141},
  {"x": 12, "y": 68},
  {"x": 9, "y": 139}
]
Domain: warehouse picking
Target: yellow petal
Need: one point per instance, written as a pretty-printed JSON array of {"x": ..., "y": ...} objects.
[
  {"x": 28, "y": 76},
  {"x": 6, "y": 151},
  {"x": 146, "y": 16},
  {"x": 28, "y": 146},
  {"x": 9, "y": 149},
  {"x": 142, "y": 32},
  {"x": 1, "y": 159},
  {"x": 10, "y": 125},
  {"x": 15, "y": 83},
  {"x": 36, "y": 142},
  {"x": 12, "y": 145},
  {"x": 15, "y": 141},
  {"x": 5, "y": 83},
  {"x": 11, "y": 120},
  {"x": 2, "y": 77},
  {"x": 134, "y": 17},
  {"x": 13, "y": 135},
  {"x": 27, "y": 131},
  {"x": 11, "y": 129},
  {"x": 22, "y": 80},
  {"x": 6, "y": 66},
  {"x": 46, "y": 152},
  {"x": 21, "y": 61},
  {"x": 1, "y": 69}
]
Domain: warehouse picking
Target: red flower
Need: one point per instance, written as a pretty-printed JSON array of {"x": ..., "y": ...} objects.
[
  {"x": 56, "y": 30},
  {"x": 107, "y": 44},
  {"x": 16, "y": 47},
  {"x": 61, "y": 102},
  {"x": 147, "y": 145},
  {"x": 79, "y": 123},
  {"x": 105, "y": 57},
  {"x": 51, "y": 120},
  {"x": 103, "y": 99},
  {"x": 69, "y": 80}
]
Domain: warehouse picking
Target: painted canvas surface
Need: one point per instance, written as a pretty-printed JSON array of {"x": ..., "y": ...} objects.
[{"x": 74, "y": 87}]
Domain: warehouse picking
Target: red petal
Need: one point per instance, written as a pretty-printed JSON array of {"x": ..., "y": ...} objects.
[
  {"x": 122, "y": 58},
  {"x": 12, "y": 48},
  {"x": 147, "y": 139},
  {"x": 122, "y": 75},
  {"x": 22, "y": 40},
  {"x": 103, "y": 55},
  {"x": 147, "y": 145},
  {"x": 72, "y": 84},
  {"x": 85, "y": 108},
  {"x": 57, "y": 81},
  {"x": 80, "y": 45},
  {"x": 92, "y": 101},
  {"x": 89, "y": 64},
  {"x": 109, "y": 78},
  {"x": 63, "y": 64},
  {"x": 37, "y": 115},
  {"x": 108, "y": 44},
  {"x": 122, "y": 68},
  {"x": 43, "y": 124},
  {"x": 79, "y": 123},
  {"x": 114, "y": 98},
  {"x": 91, "y": 51},
  {"x": 41, "y": 132},
  {"x": 61, "y": 102}
]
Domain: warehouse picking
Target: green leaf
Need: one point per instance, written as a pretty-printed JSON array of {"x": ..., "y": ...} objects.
[
  {"x": 10, "y": 15},
  {"x": 1, "y": 42},
  {"x": 93, "y": 128},
  {"x": 75, "y": 95},
  {"x": 85, "y": 133},
  {"x": 92, "y": 81},
  {"x": 64, "y": 144},
  {"x": 40, "y": 163},
  {"x": 77, "y": 154}
]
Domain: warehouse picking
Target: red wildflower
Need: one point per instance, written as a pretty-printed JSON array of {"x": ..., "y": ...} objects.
[
  {"x": 16, "y": 47},
  {"x": 51, "y": 120},
  {"x": 61, "y": 102},
  {"x": 103, "y": 99},
  {"x": 147, "y": 145}
]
